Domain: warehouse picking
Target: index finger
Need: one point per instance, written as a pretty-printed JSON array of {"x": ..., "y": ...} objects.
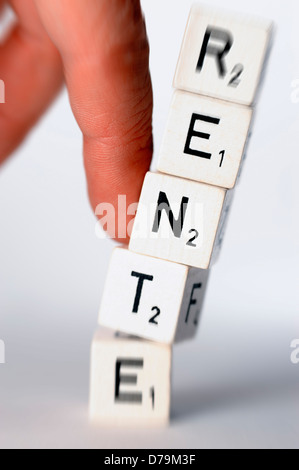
[{"x": 105, "y": 53}]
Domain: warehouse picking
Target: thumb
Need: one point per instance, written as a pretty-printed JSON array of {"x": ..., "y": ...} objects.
[{"x": 105, "y": 53}]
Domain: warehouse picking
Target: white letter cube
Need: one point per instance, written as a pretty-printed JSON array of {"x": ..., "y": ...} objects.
[
  {"x": 205, "y": 139},
  {"x": 152, "y": 298},
  {"x": 223, "y": 55},
  {"x": 177, "y": 220},
  {"x": 130, "y": 381}
]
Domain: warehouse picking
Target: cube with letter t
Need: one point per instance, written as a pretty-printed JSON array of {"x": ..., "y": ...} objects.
[{"x": 152, "y": 298}]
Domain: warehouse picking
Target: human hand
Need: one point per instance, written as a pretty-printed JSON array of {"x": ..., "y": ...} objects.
[{"x": 100, "y": 49}]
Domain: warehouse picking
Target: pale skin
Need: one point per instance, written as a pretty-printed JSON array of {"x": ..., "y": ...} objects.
[{"x": 99, "y": 49}]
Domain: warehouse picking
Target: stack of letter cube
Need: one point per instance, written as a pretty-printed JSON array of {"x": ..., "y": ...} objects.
[{"x": 155, "y": 289}]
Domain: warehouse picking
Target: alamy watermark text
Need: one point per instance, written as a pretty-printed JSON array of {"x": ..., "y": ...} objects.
[{"x": 295, "y": 351}]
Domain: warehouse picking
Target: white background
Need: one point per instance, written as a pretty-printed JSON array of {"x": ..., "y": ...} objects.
[{"x": 234, "y": 386}]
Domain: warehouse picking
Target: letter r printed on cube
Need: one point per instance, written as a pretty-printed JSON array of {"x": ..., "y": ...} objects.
[{"x": 223, "y": 55}]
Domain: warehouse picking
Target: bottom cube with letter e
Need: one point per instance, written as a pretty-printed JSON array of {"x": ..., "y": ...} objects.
[
  {"x": 130, "y": 381},
  {"x": 152, "y": 298}
]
